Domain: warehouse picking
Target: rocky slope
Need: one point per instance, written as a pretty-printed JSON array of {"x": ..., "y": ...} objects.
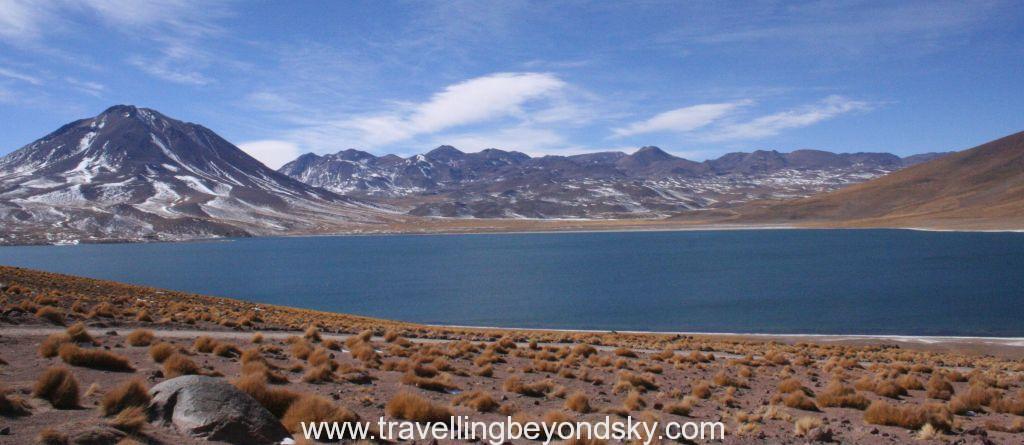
[
  {"x": 133, "y": 173},
  {"x": 976, "y": 188},
  {"x": 648, "y": 183}
]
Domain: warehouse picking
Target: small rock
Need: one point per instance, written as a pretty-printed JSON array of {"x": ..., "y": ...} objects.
[
  {"x": 820, "y": 434},
  {"x": 5, "y": 431}
]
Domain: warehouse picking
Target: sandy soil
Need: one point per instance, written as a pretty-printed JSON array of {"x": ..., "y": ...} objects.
[{"x": 748, "y": 382}]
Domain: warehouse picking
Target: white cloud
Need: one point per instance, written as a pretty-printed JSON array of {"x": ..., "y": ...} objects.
[
  {"x": 86, "y": 86},
  {"x": 772, "y": 124},
  {"x": 20, "y": 76},
  {"x": 166, "y": 69},
  {"x": 473, "y": 101},
  {"x": 681, "y": 120},
  {"x": 272, "y": 153}
]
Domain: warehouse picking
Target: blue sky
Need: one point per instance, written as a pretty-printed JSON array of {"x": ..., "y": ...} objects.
[{"x": 696, "y": 78}]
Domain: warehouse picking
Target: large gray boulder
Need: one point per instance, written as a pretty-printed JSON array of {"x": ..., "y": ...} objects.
[{"x": 213, "y": 409}]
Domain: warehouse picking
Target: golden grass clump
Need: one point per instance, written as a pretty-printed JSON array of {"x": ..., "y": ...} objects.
[
  {"x": 409, "y": 406},
  {"x": 837, "y": 395},
  {"x": 312, "y": 334},
  {"x": 804, "y": 425},
  {"x": 682, "y": 408},
  {"x": 132, "y": 393},
  {"x": 51, "y": 314},
  {"x": 799, "y": 400},
  {"x": 51, "y": 345},
  {"x": 578, "y": 402},
  {"x": 939, "y": 388},
  {"x": 275, "y": 400},
  {"x": 94, "y": 358},
  {"x": 131, "y": 420},
  {"x": 12, "y": 406},
  {"x": 319, "y": 374},
  {"x": 536, "y": 389},
  {"x": 50, "y": 436},
  {"x": 971, "y": 399},
  {"x": 257, "y": 338},
  {"x": 439, "y": 384},
  {"x": 58, "y": 386},
  {"x": 313, "y": 408},
  {"x": 625, "y": 352},
  {"x": 479, "y": 400},
  {"x": 177, "y": 365},
  {"x": 204, "y": 344},
  {"x": 701, "y": 390},
  {"x": 911, "y": 417},
  {"x": 79, "y": 334},
  {"x": 160, "y": 351},
  {"x": 141, "y": 337}
]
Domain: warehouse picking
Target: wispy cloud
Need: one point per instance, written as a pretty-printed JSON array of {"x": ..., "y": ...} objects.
[
  {"x": 773, "y": 124},
  {"x": 681, "y": 120},
  {"x": 16, "y": 75},
  {"x": 86, "y": 86},
  {"x": 176, "y": 28}
]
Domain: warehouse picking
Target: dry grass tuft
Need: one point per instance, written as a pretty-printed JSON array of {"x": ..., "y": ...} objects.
[
  {"x": 58, "y": 386},
  {"x": 177, "y": 365},
  {"x": 479, "y": 400},
  {"x": 911, "y": 417},
  {"x": 971, "y": 399},
  {"x": 312, "y": 408},
  {"x": 204, "y": 344},
  {"x": 50, "y": 436},
  {"x": 79, "y": 334},
  {"x": 939, "y": 388},
  {"x": 536, "y": 389},
  {"x": 132, "y": 393},
  {"x": 837, "y": 395},
  {"x": 578, "y": 402},
  {"x": 799, "y": 400},
  {"x": 439, "y": 384},
  {"x": 49, "y": 347},
  {"x": 409, "y": 406},
  {"x": 160, "y": 351},
  {"x": 51, "y": 314},
  {"x": 804, "y": 425},
  {"x": 141, "y": 337},
  {"x": 131, "y": 420},
  {"x": 94, "y": 358},
  {"x": 12, "y": 406},
  {"x": 275, "y": 400}
]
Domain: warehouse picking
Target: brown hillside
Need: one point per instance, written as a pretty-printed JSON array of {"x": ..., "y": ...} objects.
[{"x": 979, "y": 188}]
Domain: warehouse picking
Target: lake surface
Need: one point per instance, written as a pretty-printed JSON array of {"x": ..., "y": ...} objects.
[{"x": 755, "y": 281}]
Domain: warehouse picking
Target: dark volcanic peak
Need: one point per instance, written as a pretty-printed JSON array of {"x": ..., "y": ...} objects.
[{"x": 131, "y": 169}]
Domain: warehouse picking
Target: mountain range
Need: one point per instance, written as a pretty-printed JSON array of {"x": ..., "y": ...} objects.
[
  {"x": 132, "y": 174},
  {"x": 647, "y": 183}
]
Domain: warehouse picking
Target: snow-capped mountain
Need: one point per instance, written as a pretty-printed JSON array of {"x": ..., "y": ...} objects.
[
  {"x": 647, "y": 183},
  {"x": 134, "y": 173}
]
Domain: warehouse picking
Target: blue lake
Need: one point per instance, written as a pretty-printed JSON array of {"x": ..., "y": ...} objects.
[{"x": 766, "y": 281}]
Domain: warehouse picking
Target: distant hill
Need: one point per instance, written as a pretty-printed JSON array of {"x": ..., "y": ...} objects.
[
  {"x": 982, "y": 187},
  {"x": 648, "y": 183}
]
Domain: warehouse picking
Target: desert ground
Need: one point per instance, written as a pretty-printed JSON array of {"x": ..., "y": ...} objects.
[{"x": 79, "y": 356}]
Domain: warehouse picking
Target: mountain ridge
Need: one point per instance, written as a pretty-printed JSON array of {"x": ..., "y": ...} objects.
[{"x": 650, "y": 182}]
